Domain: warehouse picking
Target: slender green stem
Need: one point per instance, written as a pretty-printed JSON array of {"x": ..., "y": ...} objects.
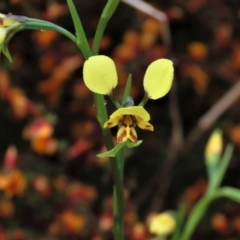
[
  {"x": 195, "y": 217},
  {"x": 180, "y": 219},
  {"x": 227, "y": 192},
  {"x": 117, "y": 168},
  {"x": 217, "y": 177},
  {"x": 144, "y": 100},
  {"x": 116, "y": 164},
  {"x": 32, "y": 23},
  {"x": 201, "y": 206},
  {"x": 107, "y": 13},
  {"x": 114, "y": 100}
]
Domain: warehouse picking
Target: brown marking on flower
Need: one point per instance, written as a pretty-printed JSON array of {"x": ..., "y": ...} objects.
[
  {"x": 134, "y": 137},
  {"x": 148, "y": 128},
  {"x": 109, "y": 124},
  {"x": 120, "y": 137},
  {"x": 122, "y": 121},
  {"x": 128, "y": 121},
  {"x": 134, "y": 120}
]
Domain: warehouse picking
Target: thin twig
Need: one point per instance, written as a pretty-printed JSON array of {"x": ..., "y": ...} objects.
[
  {"x": 207, "y": 120},
  {"x": 155, "y": 13},
  {"x": 148, "y": 9}
]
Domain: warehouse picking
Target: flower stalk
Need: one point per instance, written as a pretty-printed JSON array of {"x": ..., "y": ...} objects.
[
  {"x": 128, "y": 115},
  {"x": 211, "y": 194}
]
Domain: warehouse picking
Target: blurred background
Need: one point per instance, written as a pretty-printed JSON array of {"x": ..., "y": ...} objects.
[{"x": 52, "y": 185}]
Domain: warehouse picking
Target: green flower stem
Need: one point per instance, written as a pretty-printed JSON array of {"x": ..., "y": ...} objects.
[
  {"x": 114, "y": 100},
  {"x": 117, "y": 168},
  {"x": 180, "y": 216},
  {"x": 212, "y": 193},
  {"x": 195, "y": 216},
  {"x": 144, "y": 100},
  {"x": 107, "y": 13},
  {"x": 201, "y": 207},
  {"x": 227, "y": 192},
  {"x": 218, "y": 175},
  {"x": 34, "y": 24},
  {"x": 118, "y": 163}
]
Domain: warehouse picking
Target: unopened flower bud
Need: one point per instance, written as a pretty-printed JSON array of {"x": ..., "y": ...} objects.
[
  {"x": 9, "y": 25},
  {"x": 214, "y": 147}
]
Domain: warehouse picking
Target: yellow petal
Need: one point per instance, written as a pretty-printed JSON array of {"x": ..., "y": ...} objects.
[
  {"x": 131, "y": 134},
  {"x": 144, "y": 124},
  {"x": 112, "y": 122},
  {"x": 158, "y": 78},
  {"x": 122, "y": 134},
  {"x": 135, "y": 111},
  {"x": 99, "y": 74},
  {"x": 3, "y": 34}
]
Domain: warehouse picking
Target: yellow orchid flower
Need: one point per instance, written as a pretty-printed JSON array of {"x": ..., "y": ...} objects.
[
  {"x": 100, "y": 76},
  {"x": 128, "y": 118}
]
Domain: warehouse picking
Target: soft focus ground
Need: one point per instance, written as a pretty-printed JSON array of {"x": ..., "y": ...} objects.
[{"x": 52, "y": 184}]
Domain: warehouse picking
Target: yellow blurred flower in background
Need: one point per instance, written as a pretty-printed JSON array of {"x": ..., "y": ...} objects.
[{"x": 162, "y": 224}]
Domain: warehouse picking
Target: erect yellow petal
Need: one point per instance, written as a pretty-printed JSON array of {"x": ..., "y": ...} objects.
[
  {"x": 112, "y": 122},
  {"x": 99, "y": 74},
  {"x": 158, "y": 78},
  {"x": 144, "y": 124},
  {"x": 122, "y": 134},
  {"x": 135, "y": 111}
]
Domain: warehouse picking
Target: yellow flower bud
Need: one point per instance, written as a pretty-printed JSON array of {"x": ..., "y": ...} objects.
[
  {"x": 162, "y": 224},
  {"x": 10, "y": 20},
  {"x": 214, "y": 147},
  {"x": 158, "y": 78}
]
